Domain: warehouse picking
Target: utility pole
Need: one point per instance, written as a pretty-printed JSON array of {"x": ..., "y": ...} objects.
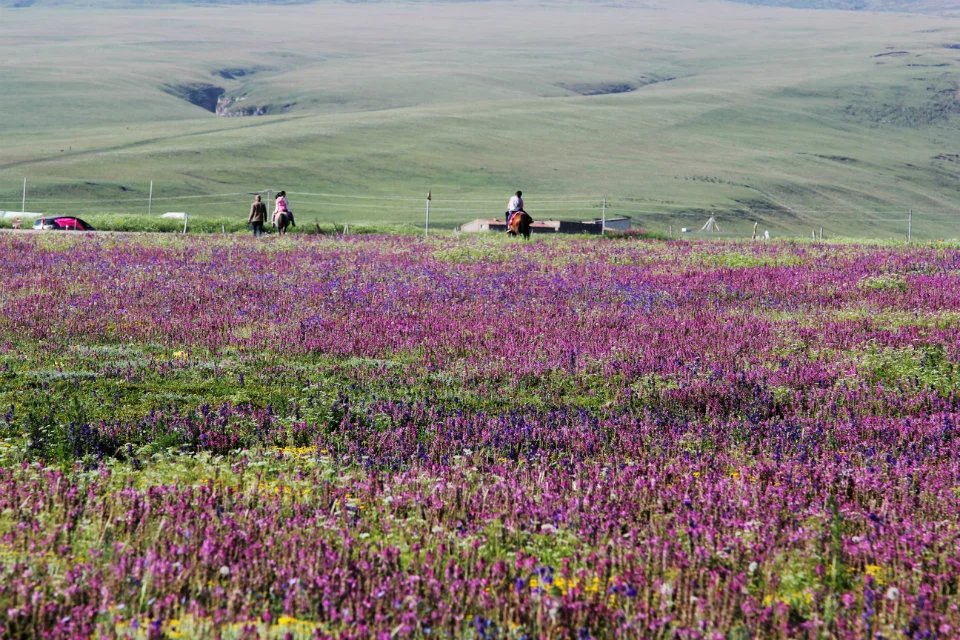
[
  {"x": 603, "y": 216},
  {"x": 150, "y": 200},
  {"x": 426, "y": 227}
]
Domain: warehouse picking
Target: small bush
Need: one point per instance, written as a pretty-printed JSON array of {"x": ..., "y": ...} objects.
[
  {"x": 885, "y": 282},
  {"x": 636, "y": 233}
]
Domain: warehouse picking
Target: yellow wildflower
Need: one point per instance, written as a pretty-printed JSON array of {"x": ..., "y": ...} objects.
[
  {"x": 875, "y": 571},
  {"x": 171, "y": 628},
  {"x": 593, "y": 586}
]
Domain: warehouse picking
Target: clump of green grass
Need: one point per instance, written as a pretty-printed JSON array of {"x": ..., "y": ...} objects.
[
  {"x": 884, "y": 282},
  {"x": 927, "y": 366}
]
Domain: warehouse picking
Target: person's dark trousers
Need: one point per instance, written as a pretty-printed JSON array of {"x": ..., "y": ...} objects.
[{"x": 258, "y": 228}]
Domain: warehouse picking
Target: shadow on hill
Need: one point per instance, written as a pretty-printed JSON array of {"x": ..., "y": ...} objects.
[
  {"x": 235, "y": 73},
  {"x": 608, "y": 88},
  {"x": 205, "y": 96},
  {"x": 215, "y": 100}
]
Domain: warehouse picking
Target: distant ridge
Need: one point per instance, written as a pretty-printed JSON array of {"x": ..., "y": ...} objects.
[
  {"x": 944, "y": 7},
  {"x": 111, "y": 4},
  {"x": 935, "y": 7}
]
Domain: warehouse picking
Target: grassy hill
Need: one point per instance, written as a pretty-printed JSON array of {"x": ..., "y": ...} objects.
[{"x": 673, "y": 111}]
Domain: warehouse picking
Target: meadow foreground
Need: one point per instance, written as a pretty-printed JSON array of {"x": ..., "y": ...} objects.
[{"x": 376, "y": 438}]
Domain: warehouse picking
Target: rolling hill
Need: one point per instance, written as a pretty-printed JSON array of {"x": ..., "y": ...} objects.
[{"x": 671, "y": 111}]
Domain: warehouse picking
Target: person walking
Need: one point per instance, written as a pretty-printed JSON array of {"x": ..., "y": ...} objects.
[
  {"x": 258, "y": 215},
  {"x": 515, "y": 205}
]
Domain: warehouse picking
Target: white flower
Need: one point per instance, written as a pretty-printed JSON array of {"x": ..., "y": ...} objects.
[
  {"x": 224, "y": 570},
  {"x": 892, "y": 593},
  {"x": 752, "y": 568}
]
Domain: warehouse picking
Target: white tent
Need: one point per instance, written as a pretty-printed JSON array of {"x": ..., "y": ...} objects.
[{"x": 711, "y": 225}]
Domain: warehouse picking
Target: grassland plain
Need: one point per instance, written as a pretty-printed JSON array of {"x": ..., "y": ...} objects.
[
  {"x": 674, "y": 111},
  {"x": 685, "y": 440}
]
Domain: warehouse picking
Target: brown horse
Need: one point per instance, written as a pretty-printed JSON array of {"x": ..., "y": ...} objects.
[
  {"x": 519, "y": 224},
  {"x": 281, "y": 221}
]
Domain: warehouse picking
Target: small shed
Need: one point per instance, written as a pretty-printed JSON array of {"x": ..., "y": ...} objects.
[
  {"x": 13, "y": 215},
  {"x": 595, "y": 226},
  {"x": 481, "y": 225},
  {"x": 618, "y": 223}
]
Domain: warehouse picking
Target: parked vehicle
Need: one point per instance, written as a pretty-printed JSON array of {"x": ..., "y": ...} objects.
[{"x": 62, "y": 223}]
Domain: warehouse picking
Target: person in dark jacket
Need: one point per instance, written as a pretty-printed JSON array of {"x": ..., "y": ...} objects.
[{"x": 258, "y": 215}]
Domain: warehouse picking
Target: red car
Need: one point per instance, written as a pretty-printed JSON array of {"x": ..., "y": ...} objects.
[{"x": 67, "y": 223}]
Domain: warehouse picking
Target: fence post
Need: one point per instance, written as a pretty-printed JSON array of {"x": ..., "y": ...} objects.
[
  {"x": 910, "y": 226},
  {"x": 150, "y": 200},
  {"x": 603, "y": 217},
  {"x": 426, "y": 227},
  {"x": 23, "y": 203}
]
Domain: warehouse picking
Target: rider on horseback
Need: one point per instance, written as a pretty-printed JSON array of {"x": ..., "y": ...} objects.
[
  {"x": 518, "y": 220},
  {"x": 282, "y": 214},
  {"x": 515, "y": 205}
]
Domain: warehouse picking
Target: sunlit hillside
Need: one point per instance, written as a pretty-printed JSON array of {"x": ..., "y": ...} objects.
[{"x": 666, "y": 111}]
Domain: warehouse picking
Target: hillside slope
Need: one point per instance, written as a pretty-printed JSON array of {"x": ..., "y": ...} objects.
[{"x": 792, "y": 119}]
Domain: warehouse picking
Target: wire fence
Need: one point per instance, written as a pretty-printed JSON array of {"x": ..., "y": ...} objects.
[{"x": 347, "y": 208}]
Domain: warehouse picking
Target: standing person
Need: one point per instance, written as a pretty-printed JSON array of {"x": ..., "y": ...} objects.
[
  {"x": 258, "y": 215},
  {"x": 515, "y": 204}
]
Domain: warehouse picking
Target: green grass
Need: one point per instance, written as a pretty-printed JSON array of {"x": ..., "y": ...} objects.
[{"x": 774, "y": 116}]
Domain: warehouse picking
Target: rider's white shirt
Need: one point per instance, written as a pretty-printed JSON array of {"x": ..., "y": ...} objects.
[{"x": 515, "y": 204}]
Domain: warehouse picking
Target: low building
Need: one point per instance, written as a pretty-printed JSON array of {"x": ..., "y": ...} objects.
[
  {"x": 493, "y": 224},
  {"x": 619, "y": 223},
  {"x": 549, "y": 226},
  {"x": 13, "y": 215}
]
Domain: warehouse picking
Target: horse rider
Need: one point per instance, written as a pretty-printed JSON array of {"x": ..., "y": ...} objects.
[
  {"x": 282, "y": 207},
  {"x": 515, "y": 205}
]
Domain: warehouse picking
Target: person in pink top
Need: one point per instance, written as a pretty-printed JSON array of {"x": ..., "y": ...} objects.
[{"x": 282, "y": 207}]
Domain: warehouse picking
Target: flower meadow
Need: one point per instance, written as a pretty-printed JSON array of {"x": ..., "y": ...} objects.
[{"x": 474, "y": 438}]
